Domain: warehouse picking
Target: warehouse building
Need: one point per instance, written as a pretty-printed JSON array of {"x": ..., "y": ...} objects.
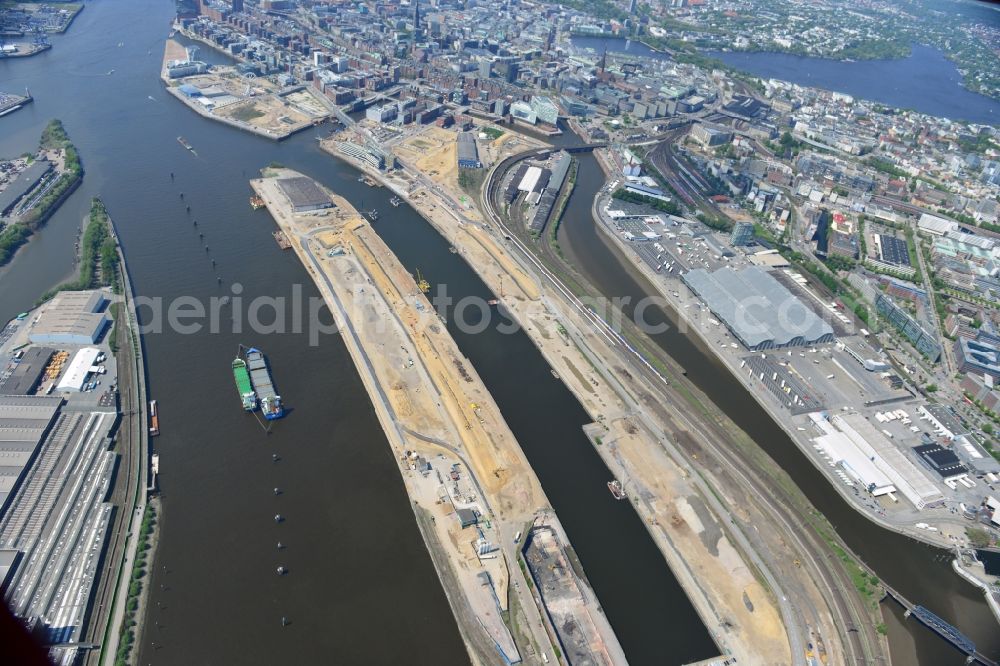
[
  {"x": 24, "y": 423},
  {"x": 27, "y": 373},
  {"x": 303, "y": 194},
  {"x": 943, "y": 461},
  {"x": 709, "y": 135},
  {"x": 79, "y": 369},
  {"x": 535, "y": 179},
  {"x": 513, "y": 189},
  {"x": 468, "y": 152},
  {"x": 71, "y": 318},
  {"x": 865, "y": 455},
  {"x": 759, "y": 311},
  {"x": 936, "y": 226}
]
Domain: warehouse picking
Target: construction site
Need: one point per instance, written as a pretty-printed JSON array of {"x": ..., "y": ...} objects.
[
  {"x": 710, "y": 561},
  {"x": 472, "y": 489}
]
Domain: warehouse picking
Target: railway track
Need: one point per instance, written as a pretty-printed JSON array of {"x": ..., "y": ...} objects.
[{"x": 848, "y": 611}]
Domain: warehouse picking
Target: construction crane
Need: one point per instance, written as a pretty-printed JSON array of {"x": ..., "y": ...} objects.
[{"x": 423, "y": 285}]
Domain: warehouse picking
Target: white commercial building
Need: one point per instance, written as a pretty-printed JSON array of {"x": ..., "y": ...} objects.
[
  {"x": 937, "y": 226},
  {"x": 842, "y": 451},
  {"x": 530, "y": 179},
  {"x": 79, "y": 368},
  {"x": 856, "y": 445}
]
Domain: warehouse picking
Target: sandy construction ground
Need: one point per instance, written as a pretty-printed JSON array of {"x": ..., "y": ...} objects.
[
  {"x": 267, "y": 113},
  {"x": 434, "y": 152},
  {"x": 713, "y": 573},
  {"x": 432, "y": 404}
]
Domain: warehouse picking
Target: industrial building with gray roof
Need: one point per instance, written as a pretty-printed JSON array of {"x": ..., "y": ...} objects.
[
  {"x": 71, "y": 318},
  {"x": 304, "y": 194},
  {"x": 24, "y": 422},
  {"x": 758, "y": 309},
  {"x": 26, "y": 375},
  {"x": 468, "y": 152}
]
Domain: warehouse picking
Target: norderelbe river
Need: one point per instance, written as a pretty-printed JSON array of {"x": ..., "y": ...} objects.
[{"x": 361, "y": 587}]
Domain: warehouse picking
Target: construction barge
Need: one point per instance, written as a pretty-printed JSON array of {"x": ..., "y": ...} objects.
[{"x": 282, "y": 240}]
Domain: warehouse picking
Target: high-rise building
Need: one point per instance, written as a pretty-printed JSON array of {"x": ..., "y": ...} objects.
[
  {"x": 416, "y": 15},
  {"x": 631, "y": 8},
  {"x": 510, "y": 74},
  {"x": 237, "y": 6}
]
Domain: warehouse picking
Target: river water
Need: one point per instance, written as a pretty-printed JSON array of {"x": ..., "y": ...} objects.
[
  {"x": 925, "y": 81},
  {"x": 360, "y": 587},
  {"x": 921, "y": 573}
]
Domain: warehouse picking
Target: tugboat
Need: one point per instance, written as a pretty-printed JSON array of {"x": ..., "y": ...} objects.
[
  {"x": 282, "y": 571},
  {"x": 615, "y": 486}
]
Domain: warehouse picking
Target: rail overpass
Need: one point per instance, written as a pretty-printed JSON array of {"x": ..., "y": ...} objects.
[{"x": 940, "y": 627}]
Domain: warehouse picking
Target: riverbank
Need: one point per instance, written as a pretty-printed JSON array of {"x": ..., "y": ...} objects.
[
  {"x": 133, "y": 434},
  {"x": 716, "y": 584},
  {"x": 752, "y": 485},
  {"x": 431, "y": 403}
]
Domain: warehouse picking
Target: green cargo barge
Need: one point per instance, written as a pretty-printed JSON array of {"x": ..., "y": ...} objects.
[{"x": 243, "y": 386}]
